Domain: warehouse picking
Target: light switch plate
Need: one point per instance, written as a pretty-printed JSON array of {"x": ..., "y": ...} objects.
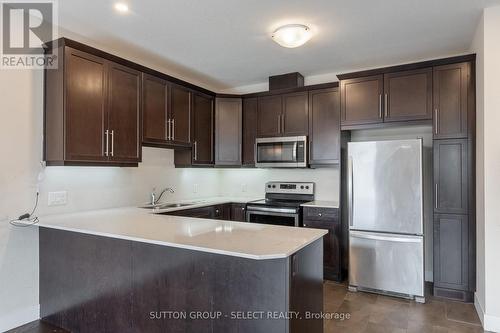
[
  {"x": 243, "y": 187},
  {"x": 59, "y": 198},
  {"x": 195, "y": 188}
]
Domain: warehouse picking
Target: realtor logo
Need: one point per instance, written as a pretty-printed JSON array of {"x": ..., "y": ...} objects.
[{"x": 26, "y": 26}]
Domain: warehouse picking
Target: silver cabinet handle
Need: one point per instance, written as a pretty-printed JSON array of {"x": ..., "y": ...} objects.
[
  {"x": 168, "y": 130},
  {"x": 112, "y": 143},
  {"x": 173, "y": 129},
  {"x": 106, "y": 133},
  {"x": 279, "y": 123},
  {"x": 380, "y": 105},
  {"x": 436, "y": 196},
  {"x": 195, "y": 151},
  {"x": 282, "y": 123},
  {"x": 386, "y": 105},
  {"x": 436, "y": 123}
]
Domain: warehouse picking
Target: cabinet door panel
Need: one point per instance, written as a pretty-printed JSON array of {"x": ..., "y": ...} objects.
[
  {"x": 228, "y": 131},
  {"x": 154, "y": 109},
  {"x": 451, "y": 84},
  {"x": 361, "y": 100},
  {"x": 249, "y": 130},
  {"x": 408, "y": 95},
  {"x": 238, "y": 212},
  {"x": 180, "y": 114},
  {"x": 451, "y": 248},
  {"x": 124, "y": 113},
  {"x": 450, "y": 176},
  {"x": 295, "y": 117},
  {"x": 269, "y": 116},
  {"x": 324, "y": 126},
  {"x": 86, "y": 116},
  {"x": 203, "y": 117}
]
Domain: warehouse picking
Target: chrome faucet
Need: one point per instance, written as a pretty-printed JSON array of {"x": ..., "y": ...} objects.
[{"x": 154, "y": 199}]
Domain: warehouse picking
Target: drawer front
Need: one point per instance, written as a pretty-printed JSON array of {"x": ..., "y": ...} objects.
[{"x": 321, "y": 214}]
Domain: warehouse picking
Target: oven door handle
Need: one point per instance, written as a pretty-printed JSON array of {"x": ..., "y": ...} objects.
[
  {"x": 295, "y": 216},
  {"x": 271, "y": 210}
]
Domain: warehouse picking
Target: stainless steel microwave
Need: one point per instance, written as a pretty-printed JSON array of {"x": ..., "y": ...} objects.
[{"x": 281, "y": 152}]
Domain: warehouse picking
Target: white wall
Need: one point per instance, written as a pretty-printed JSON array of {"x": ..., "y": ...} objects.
[
  {"x": 487, "y": 46},
  {"x": 412, "y": 132}
]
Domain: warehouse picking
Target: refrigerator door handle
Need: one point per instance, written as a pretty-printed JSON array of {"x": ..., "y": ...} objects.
[
  {"x": 350, "y": 189},
  {"x": 402, "y": 239}
]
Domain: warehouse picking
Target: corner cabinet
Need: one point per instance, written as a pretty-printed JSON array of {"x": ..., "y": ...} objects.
[
  {"x": 228, "y": 126},
  {"x": 249, "y": 131},
  {"x": 92, "y": 110}
]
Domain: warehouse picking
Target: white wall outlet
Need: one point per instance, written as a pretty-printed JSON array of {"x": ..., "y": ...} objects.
[
  {"x": 243, "y": 187},
  {"x": 195, "y": 188},
  {"x": 59, "y": 198}
]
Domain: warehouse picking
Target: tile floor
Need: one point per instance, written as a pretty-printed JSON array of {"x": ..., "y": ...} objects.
[{"x": 370, "y": 313}]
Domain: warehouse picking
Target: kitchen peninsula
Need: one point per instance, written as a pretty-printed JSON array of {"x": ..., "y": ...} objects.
[{"x": 128, "y": 270}]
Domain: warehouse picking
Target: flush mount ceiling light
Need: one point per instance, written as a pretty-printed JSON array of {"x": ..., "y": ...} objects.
[
  {"x": 121, "y": 7},
  {"x": 292, "y": 35}
]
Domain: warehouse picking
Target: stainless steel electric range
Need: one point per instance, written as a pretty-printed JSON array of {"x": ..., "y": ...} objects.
[{"x": 282, "y": 204}]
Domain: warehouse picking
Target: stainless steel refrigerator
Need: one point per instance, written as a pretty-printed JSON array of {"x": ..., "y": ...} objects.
[{"x": 386, "y": 229}]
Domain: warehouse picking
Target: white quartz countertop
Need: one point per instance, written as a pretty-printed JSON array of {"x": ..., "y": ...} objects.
[
  {"x": 241, "y": 239},
  {"x": 321, "y": 204}
]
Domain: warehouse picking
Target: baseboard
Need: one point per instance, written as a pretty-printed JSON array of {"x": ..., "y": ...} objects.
[
  {"x": 19, "y": 317},
  {"x": 479, "y": 309},
  {"x": 429, "y": 276},
  {"x": 490, "y": 323}
]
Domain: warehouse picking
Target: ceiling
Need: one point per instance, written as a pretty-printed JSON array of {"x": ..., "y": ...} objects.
[{"x": 226, "y": 43}]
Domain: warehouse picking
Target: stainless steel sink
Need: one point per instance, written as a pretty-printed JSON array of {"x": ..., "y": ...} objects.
[{"x": 168, "y": 205}]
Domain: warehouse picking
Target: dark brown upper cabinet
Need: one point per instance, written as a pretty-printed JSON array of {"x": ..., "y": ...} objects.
[
  {"x": 269, "y": 116},
  {"x": 249, "y": 131},
  {"x": 228, "y": 126},
  {"x": 154, "y": 110},
  {"x": 294, "y": 119},
  {"x": 361, "y": 100},
  {"x": 180, "y": 114},
  {"x": 203, "y": 129},
  {"x": 324, "y": 127},
  {"x": 124, "y": 98},
  {"x": 408, "y": 95},
  {"x": 283, "y": 115},
  {"x": 451, "y": 89},
  {"x": 450, "y": 176},
  {"x": 92, "y": 111}
]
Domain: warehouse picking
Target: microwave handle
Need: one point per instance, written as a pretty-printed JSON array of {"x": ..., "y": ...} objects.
[
  {"x": 255, "y": 152},
  {"x": 295, "y": 150}
]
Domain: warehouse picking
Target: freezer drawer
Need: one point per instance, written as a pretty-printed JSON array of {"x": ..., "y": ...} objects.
[{"x": 387, "y": 262}]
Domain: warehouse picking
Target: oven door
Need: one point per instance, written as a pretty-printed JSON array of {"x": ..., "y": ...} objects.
[
  {"x": 271, "y": 215},
  {"x": 281, "y": 152}
]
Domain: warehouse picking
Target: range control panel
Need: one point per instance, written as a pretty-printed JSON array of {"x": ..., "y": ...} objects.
[{"x": 290, "y": 187}]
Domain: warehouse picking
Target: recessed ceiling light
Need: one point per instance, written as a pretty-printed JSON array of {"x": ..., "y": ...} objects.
[
  {"x": 292, "y": 35},
  {"x": 121, "y": 7}
]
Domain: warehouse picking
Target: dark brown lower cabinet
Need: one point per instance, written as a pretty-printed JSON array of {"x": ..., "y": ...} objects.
[
  {"x": 327, "y": 218},
  {"x": 238, "y": 212},
  {"x": 452, "y": 256},
  {"x": 227, "y": 212}
]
